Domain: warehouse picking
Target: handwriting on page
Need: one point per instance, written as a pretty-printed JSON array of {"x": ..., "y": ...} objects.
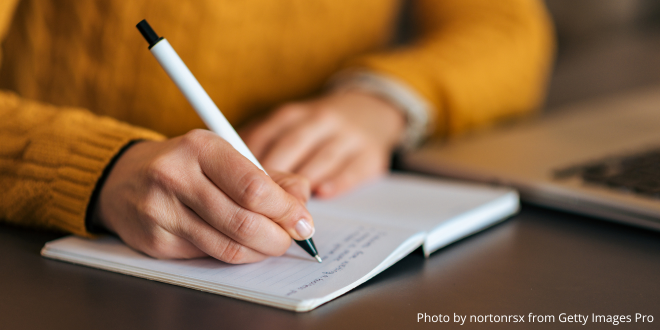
[
  {"x": 342, "y": 254},
  {"x": 350, "y": 251}
]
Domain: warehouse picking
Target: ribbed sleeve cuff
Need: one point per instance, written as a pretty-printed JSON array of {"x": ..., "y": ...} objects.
[{"x": 90, "y": 148}]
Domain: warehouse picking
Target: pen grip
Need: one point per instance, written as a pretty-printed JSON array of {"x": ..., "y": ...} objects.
[{"x": 198, "y": 98}]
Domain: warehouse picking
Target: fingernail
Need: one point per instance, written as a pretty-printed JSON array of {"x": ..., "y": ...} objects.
[{"x": 304, "y": 229}]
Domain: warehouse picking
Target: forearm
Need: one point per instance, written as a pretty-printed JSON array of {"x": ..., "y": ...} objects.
[
  {"x": 474, "y": 61},
  {"x": 51, "y": 158}
]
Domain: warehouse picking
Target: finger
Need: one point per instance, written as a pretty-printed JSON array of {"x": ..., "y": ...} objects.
[
  {"x": 294, "y": 145},
  {"x": 214, "y": 243},
  {"x": 258, "y": 137},
  {"x": 252, "y": 189},
  {"x": 222, "y": 215},
  {"x": 148, "y": 228},
  {"x": 365, "y": 167},
  {"x": 296, "y": 185},
  {"x": 163, "y": 244},
  {"x": 328, "y": 158}
]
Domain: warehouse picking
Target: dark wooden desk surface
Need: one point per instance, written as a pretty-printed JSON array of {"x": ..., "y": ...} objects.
[{"x": 540, "y": 261}]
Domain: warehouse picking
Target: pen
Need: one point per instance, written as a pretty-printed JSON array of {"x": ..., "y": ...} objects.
[{"x": 205, "y": 107}]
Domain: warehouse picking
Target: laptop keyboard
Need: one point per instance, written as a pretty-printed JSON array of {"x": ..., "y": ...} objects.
[{"x": 638, "y": 173}]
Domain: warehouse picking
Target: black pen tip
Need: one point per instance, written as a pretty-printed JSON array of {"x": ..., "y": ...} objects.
[{"x": 309, "y": 247}]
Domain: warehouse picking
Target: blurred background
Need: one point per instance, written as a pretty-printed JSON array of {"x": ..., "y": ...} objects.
[{"x": 604, "y": 47}]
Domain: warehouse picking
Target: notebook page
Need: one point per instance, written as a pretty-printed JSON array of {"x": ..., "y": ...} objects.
[
  {"x": 409, "y": 201},
  {"x": 350, "y": 250}
]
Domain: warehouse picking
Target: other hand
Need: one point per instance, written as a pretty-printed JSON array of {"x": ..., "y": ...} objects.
[{"x": 337, "y": 141}]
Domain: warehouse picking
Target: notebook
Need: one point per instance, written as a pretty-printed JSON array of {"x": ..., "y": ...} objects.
[{"x": 357, "y": 235}]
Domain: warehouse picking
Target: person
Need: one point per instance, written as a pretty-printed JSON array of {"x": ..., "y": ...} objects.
[{"x": 96, "y": 138}]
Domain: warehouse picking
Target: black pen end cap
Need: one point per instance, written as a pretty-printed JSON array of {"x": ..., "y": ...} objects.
[{"x": 148, "y": 33}]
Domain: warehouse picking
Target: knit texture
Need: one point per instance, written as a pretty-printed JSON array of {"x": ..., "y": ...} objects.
[
  {"x": 51, "y": 158},
  {"x": 80, "y": 83}
]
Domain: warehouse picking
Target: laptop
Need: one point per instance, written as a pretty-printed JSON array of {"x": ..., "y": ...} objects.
[{"x": 600, "y": 158}]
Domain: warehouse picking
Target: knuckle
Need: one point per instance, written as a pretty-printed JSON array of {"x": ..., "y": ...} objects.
[
  {"x": 162, "y": 172},
  {"x": 244, "y": 224},
  {"x": 254, "y": 192},
  {"x": 195, "y": 135},
  {"x": 157, "y": 246},
  {"x": 196, "y": 139},
  {"x": 147, "y": 211},
  {"x": 232, "y": 253}
]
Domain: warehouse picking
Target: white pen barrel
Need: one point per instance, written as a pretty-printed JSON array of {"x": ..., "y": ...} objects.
[{"x": 198, "y": 98}]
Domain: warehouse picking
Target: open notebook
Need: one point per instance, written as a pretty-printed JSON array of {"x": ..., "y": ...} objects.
[{"x": 358, "y": 235}]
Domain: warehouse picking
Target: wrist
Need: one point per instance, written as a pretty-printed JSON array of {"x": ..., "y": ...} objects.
[
  {"x": 93, "y": 219},
  {"x": 418, "y": 113},
  {"x": 385, "y": 119}
]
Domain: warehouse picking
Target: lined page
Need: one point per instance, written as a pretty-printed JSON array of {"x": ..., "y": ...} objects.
[
  {"x": 409, "y": 201},
  {"x": 350, "y": 250}
]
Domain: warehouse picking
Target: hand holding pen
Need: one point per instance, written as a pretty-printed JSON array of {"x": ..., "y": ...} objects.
[{"x": 202, "y": 194}]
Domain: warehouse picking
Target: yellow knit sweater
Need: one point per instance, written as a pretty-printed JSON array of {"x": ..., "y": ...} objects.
[{"x": 77, "y": 82}]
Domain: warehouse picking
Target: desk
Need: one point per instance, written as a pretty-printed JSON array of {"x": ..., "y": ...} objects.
[{"x": 540, "y": 261}]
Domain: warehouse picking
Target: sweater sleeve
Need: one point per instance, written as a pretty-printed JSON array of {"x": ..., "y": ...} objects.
[
  {"x": 51, "y": 157},
  {"x": 475, "y": 61}
]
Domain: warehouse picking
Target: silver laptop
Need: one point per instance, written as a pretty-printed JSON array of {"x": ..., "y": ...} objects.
[{"x": 600, "y": 158}]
